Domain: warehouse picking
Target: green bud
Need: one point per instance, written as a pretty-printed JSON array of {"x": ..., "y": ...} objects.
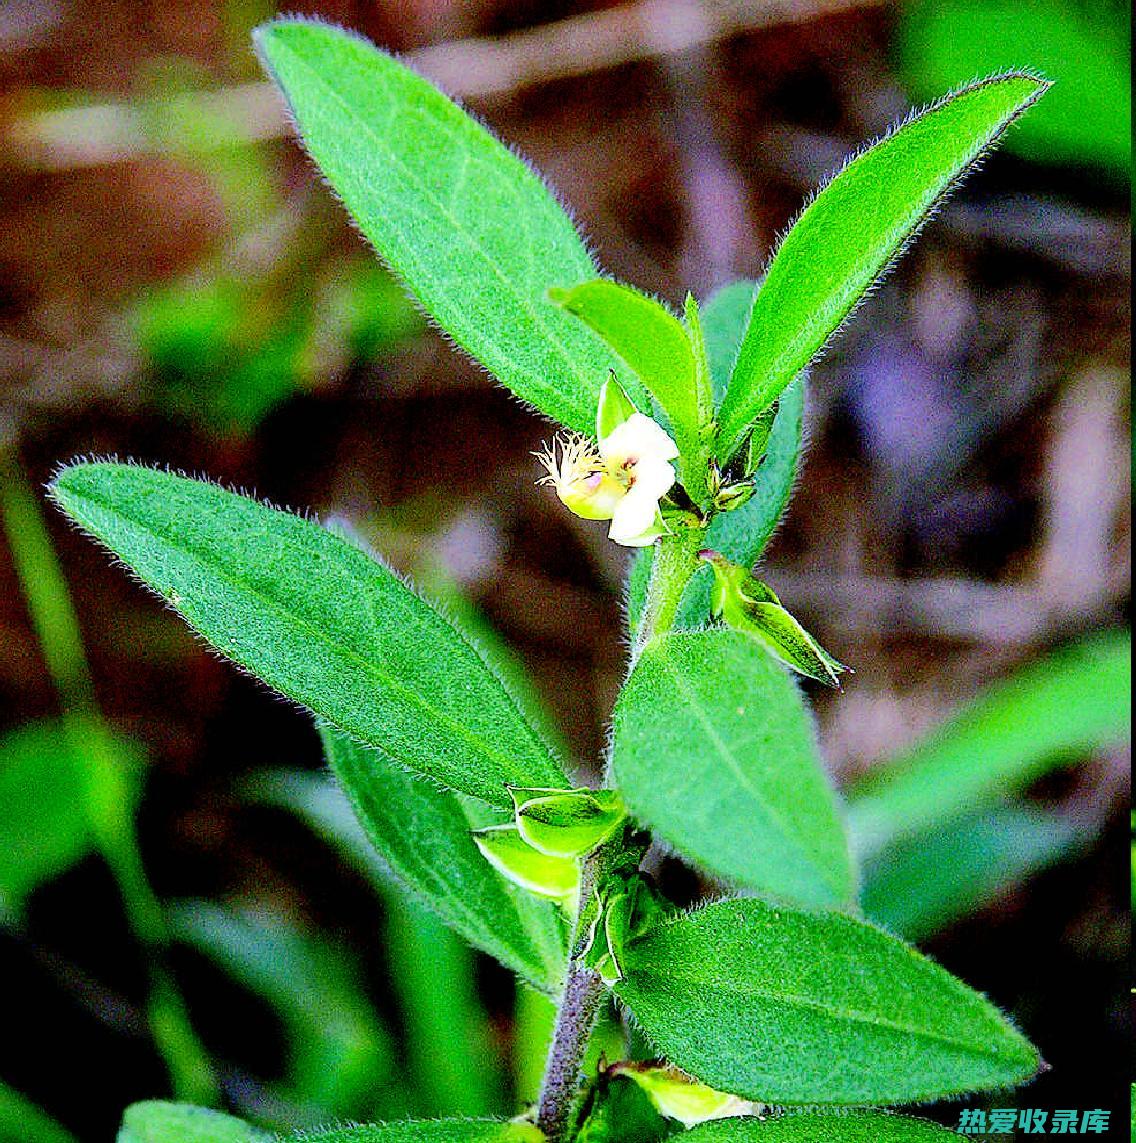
[
  {"x": 614, "y": 408},
  {"x": 731, "y": 496},
  {"x": 504, "y": 848},
  {"x": 677, "y": 1096},
  {"x": 747, "y": 604},
  {"x": 628, "y": 907},
  {"x": 567, "y": 823}
]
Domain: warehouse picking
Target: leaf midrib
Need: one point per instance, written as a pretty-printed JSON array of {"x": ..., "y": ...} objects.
[
  {"x": 674, "y": 974},
  {"x": 368, "y": 666},
  {"x": 730, "y": 759},
  {"x": 469, "y": 240}
]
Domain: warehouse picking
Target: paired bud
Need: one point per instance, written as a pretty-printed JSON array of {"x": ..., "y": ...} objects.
[
  {"x": 677, "y": 1096},
  {"x": 538, "y": 850},
  {"x": 747, "y": 604},
  {"x": 623, "y": 478},
  {"x": 567, "y": 823},
  {"x": 621, "y": 912}
]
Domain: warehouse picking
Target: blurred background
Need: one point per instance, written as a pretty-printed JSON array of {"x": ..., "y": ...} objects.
[{"x": 176, "y": 286}]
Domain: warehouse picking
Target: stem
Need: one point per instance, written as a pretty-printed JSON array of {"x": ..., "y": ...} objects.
[
  {"x": 107, "y": 793},
  {"x": 560, "y": 1089},
  {"x": 676, "y": 560}
]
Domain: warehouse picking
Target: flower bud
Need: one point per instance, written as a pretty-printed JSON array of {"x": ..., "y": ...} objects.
[
  {"x": 567, "y": 823},
  {"x": 747, "y": 604},
  {"x": 555, "y": 877}
]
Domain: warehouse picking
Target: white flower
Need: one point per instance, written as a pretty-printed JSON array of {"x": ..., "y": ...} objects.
[{"x": 621, "y": 480}]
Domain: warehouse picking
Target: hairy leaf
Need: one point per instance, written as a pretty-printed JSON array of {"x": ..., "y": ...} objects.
[
  {"x": 1054, "y": 711},
  {"x": 714, "y": 751},
  {"x": 157, "y": 1122},
  {"x": 471, "y": 230},
  {"x": 317, "y": 619},
  {"x": 792, "y": 1007},
  {"x": 858, "y": 1127},
  {"x": 423, "y": 834},
  {"x": 852, "y": 231},
  {"x": 653, "y": 343}
]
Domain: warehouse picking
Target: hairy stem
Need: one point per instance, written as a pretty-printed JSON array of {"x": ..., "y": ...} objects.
[
  {"x": 676, "y": 560},
  {"x": 560, "y": 1089}
]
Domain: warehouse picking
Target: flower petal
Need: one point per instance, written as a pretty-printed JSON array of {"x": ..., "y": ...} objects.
[
  {"x": 636, "y": 439},
  {"x": 634, "y": 516}
]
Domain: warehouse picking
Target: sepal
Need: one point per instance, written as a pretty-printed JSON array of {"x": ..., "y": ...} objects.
[
  {"x": 677, "y": 1096},
  {"x": 615, "y": 407},
  {"x": 566, "y": 823},
  {"x": 507, "y": 851},
  {"x": 750, "y": 606}
]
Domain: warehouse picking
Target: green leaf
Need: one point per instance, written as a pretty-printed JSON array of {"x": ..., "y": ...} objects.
[
  {"x": 340, "y": 1055},
  {"x": 1084, "y": 48},
  {"x": 44, "y": 825},
  {"x": 423, "y": 834},
  {"x": 829, "y": 1009},
  {"x": 725, "y": 315},
  {"x": 858, "y": 1127},
  {"x": 654, "y": 344},
  {"x": 714, "y": 751},
  {"x": 922, "y": 883},
  {"x": 1051, "y": 712},
  {"x": 21, "y": 1121},
  {"x": 473, "y": 233},
  {"x": 852, "y": 231},
  {"x": 317, "y": 619},
  {"x": 742, "y": 534},
  {"x": 429, "y": 1131},
  {"x": 158, "y": 1122}
]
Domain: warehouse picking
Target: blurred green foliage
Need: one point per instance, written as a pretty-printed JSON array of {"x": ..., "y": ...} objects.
[
  {"x": 44, "y": 819},
  {"x": 943, "y": 830},
  {"x": 22, "y": 1122},
  {"x": 1083, "y": 45},
  {"x": 341, "y": 1059}
]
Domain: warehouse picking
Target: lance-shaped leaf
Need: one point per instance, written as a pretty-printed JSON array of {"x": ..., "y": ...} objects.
[
  {"x": 473, "y": 232},
  {"x": 422, "y": 834},
  {"x": 158, "y": 1122},
  {"x": 857, "y": 1127},
  {"x": 750, "y": 606},
  {"x": 743, "y": 533},
  {"x": 317, "y": 619},
  {"x": 714, "y": 751},
  {"x": 427, "y": 1131},
  {"x": 790, "y": 1007},
  {"x": 654, "y": 344},
  {"x": 852, "y": 231}
]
